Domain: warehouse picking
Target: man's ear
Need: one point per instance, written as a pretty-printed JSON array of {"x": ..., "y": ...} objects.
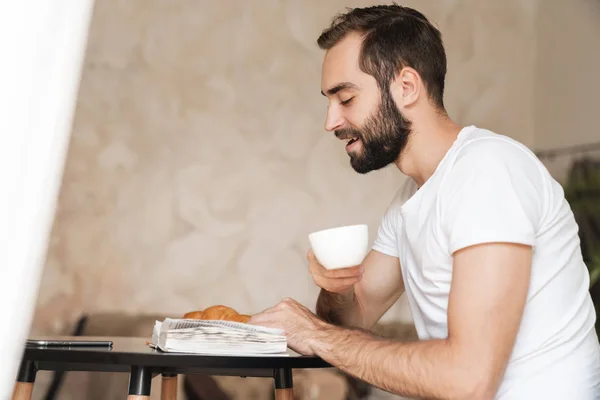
[{"x": 406, "y": 88}]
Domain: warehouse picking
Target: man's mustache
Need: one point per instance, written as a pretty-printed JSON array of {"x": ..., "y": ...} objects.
[{"x": 344, "y": 134}]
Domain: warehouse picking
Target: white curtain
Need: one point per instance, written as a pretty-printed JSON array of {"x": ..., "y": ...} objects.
[{"x": 42, "y": 46}]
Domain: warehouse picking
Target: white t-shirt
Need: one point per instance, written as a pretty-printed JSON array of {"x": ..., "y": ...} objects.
[{"x": 490, "y": 188}]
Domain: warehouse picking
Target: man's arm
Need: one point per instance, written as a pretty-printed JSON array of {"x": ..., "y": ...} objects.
[
  {"x": 362, "y": 304},
  {"x": 486, "y": 302}
]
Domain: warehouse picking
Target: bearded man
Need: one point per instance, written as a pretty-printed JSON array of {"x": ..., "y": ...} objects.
[{"x": 481, "y": 238}]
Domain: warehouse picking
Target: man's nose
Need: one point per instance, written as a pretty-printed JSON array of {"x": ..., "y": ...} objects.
[{"x": 334, "y": 119}]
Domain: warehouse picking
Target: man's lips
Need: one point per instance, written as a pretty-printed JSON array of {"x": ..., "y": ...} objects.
[
  {"x": 351, "y": 143},
  {"x": 350, "y": 139}
]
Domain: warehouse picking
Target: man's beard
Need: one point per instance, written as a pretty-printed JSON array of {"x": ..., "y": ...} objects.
[{"x": 383, "y": 136}]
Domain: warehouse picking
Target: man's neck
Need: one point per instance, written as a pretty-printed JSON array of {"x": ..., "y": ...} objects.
[{"x": 429, "y": 141}]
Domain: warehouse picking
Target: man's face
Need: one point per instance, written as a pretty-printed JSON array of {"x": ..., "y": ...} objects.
[{"x": 359, "y": 112}]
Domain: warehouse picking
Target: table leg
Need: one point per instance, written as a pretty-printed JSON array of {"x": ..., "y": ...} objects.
[
  {"x": 169, "y": 387},
  {"x": 140, "y": 380},
  {"x": 24, "y": 385},
  {"x": 22, "y": 391},
  {"x": 284, "y": 394},
  {"x": 284, "y": 384}
]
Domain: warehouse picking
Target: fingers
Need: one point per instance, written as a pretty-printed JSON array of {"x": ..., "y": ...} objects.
[
  {"x": 337, "y": 285},
  {"x": 273, "y": 317},
  {"x": 261, "y": 318},
  {"x": 267, "y": 314},
  {"x": 333, "y": 280},
  {"x": 255, "y": 319},
  {"x": 349, "y": 272}
]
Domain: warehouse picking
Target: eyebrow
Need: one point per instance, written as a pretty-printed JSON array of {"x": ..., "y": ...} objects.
[{"x": 339, "y": 87}]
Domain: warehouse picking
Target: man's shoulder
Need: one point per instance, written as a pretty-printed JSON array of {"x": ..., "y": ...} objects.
[
  {"x": 483, "y": 151},
  {"x": 486, "y": 161},
  {"x": 484, "y": 144}
]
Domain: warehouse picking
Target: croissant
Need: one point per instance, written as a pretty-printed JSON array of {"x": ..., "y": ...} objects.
[{"x": 218, "y": 312}]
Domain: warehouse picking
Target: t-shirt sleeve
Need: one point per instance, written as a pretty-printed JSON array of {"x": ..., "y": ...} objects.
[
  {"x": 386, "y": 241},
  {"x": 491, "y": 194}
]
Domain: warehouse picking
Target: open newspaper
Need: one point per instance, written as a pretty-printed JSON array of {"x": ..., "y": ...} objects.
[{"x": 217, "y": 338}]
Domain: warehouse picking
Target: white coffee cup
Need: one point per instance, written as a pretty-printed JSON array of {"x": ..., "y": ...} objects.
[{"x": 341, "y": 247}]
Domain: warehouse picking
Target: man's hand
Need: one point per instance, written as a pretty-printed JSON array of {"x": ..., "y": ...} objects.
[
  {"x": 353, "y": 298},
  {"x": 338, "y": 281},
  {"x": 299, "y": 324}
]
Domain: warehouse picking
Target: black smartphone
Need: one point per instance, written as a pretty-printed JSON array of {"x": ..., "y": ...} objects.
[{"x": 69, "y": 343}]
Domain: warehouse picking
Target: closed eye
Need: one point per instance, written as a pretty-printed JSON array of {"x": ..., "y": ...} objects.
[{"x": 346, "y": 102}]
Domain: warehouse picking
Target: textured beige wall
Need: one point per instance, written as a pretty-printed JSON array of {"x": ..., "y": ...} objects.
[
  {"x": 567, "y": 78},
  {"x": 199, "y": 162}
]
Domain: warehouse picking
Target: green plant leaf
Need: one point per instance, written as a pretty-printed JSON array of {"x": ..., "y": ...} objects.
[{"x": 594, "y": 275}]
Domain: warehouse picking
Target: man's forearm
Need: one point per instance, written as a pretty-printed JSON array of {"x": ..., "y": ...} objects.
[
  {"x": 339, "y": 309},
  {"x": 422, "y": 369}
]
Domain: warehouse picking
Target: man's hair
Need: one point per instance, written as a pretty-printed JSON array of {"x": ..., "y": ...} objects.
[{"x": 394, "y": 37}]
